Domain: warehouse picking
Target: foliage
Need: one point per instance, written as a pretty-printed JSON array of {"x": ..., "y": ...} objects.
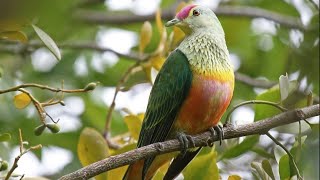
[{"x": 66, "y": 35}]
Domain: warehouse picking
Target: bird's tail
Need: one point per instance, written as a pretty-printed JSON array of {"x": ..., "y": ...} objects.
[{"x": 134, "y": 171}]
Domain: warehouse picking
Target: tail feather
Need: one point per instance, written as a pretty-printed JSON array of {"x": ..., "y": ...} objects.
[
  {"x": 179, "y": 163},
  {"x": 134, "y": 171}
]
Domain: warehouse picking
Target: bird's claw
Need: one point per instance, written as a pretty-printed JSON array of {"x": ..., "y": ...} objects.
[
  {"x": 219, "y": 130},
  {"x": 184, "y": 141}
]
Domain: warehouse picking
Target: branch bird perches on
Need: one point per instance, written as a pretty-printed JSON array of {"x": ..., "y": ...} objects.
[{"x": 260, "y": 127}]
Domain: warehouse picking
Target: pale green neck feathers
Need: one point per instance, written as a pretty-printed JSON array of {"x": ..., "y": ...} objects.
[{"x": 207, "y": 52}]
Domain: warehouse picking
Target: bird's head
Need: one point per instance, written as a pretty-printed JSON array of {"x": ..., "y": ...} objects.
[{"x": 194, "y": 17}]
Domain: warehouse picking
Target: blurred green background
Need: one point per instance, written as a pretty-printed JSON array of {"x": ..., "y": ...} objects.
[{"x": 95, "y": 36}]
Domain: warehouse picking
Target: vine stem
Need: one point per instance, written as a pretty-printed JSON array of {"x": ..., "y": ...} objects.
[
  {"x": 276, "y": 105},
  {"x": 131, "y": 70},
  {"x": 288, "y": 152}
]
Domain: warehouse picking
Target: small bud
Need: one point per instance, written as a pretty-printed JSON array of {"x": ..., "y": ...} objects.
[
  {"x": 90, "y": 86},
  {"x": 39, "y": 146},
  {"x": 39, "y": 130},
  {"x": 54, "y": 128},
  {"x": 62, "y": 103},
  {"x": 310, "y": 99},
  {"x": 25, "y": 143},
  {"x": 3, "y": 165}
]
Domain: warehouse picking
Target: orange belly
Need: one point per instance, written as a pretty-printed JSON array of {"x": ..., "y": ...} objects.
[{"x": 208, "y": 99}]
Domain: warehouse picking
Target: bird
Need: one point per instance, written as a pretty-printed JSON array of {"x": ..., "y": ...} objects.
[{"x": 190, "y": 94}]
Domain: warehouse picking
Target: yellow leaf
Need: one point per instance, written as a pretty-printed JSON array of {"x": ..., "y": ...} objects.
[
  {"x": 21, "y": 100},
  {"x": 181, "y": 5},
  {"x": 118, "y": 173},
  {"x": 14, "y": 35},
  {"x": 161, "y": 172},
  {"x": 157, "y": 62},
  {"x": 145, "y": 36},
  {"x": 92, "y": 147},
  {"x": 234, "y": 177},
  {"x": 140, "y": 116},
  {"x": 147, "y": 70},
  {"x": 134, "y": 125},
  {"x": 203, "y": 166},
  {"x": 161, "y": 46},
  {"x": 178, "y": 36},
  {"x": 159, "y": 21}
]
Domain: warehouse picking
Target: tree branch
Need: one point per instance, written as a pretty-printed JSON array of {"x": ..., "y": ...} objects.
[
  {"x": 167, "y": 14},
  {"x": 260, "y": 83},
  {"x": 259, "y": 127},
  {"x": 17, "y": 48}
]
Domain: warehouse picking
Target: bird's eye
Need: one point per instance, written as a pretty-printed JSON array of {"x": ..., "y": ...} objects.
[{"x": 196, "y": 13}]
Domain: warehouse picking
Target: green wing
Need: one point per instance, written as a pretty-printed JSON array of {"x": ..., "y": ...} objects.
[{"x": 170, "y": 89}]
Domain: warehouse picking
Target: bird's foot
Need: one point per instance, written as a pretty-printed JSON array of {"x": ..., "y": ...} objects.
[
  {"x": 185, "y": 140},
  {"x": 219, "y": 130}
]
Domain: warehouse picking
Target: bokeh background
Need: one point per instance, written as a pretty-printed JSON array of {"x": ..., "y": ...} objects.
[{"x": 266, "y": 40}]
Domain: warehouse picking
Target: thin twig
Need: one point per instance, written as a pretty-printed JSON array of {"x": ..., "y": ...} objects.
[
  {"x": 38, "y": 105},
  {"x": 95, "y": 17},
  {"x": 16, "y": 88},
  {"x": 253, "y": 102},
  {"x": 259, "y": 83},
  {"x": 259, "y": 127},
  {"x": 288, "y": 152},
  {"x": 20, "y": 141},
  {"x": 22, "y": 152},
  {"x": 123, "y": 79}
]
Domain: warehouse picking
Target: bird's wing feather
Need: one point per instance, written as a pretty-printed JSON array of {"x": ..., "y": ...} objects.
[{"x": 170, "y": 89}]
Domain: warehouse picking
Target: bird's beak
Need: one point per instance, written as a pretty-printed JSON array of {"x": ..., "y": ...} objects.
[{"x": 172, "y": 22}]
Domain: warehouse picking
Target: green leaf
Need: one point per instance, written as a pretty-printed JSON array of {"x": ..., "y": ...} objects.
[
  {"x": 272, "y": 95},
  {"x": 309, "y": 159},
  {"x": 47, "y": 40},
  {"x": 5, "y": 137},
  {"x": 92, "y": 147},
  {"x": 247, "y": 144},
  {"x": 1, "y": 72},
  {"x": 284, "y": 167},
  {"x": 267, "y": 168},
  {"x": 202, "y": 167}
]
